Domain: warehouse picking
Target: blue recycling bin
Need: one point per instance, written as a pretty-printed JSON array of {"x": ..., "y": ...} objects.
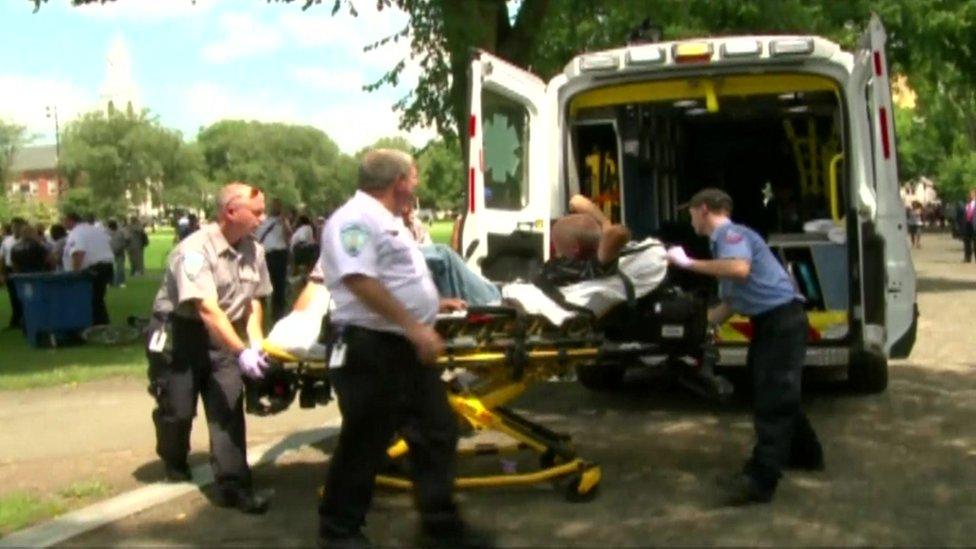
[{"x": 57, "y": 306}]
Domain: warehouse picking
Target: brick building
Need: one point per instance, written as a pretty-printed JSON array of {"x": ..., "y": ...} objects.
[{"x": 34, "y": 174}]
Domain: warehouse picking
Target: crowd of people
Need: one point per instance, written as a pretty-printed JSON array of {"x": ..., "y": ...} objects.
[{"x": 76, "y": 244}]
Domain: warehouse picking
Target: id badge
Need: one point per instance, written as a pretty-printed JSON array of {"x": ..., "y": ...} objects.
[
  {"x": 337, "y": 358},
  {"x": 157, "y": 343}
]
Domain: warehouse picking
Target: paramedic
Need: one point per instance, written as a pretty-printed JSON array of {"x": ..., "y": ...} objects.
[
  {"x": 383, "y": 360},
  {"x": 754, "y": 284},
  {"x": 210, "y": 300}
]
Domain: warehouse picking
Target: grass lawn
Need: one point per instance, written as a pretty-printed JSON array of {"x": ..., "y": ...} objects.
[
  {"x": 440, "y": 231},
  {"x": 22, "y": 366},
  {"x": 19, "y": 508}
]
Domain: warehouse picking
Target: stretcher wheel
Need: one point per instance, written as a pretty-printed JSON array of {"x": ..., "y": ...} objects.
[{"x": 583, "y": 486}]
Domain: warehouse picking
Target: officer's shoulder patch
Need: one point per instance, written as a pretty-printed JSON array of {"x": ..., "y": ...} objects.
[
  {"x": 733, "y": 236},
  {"x": 192, "y": 264},
  {"x": 353, "y": 235}
]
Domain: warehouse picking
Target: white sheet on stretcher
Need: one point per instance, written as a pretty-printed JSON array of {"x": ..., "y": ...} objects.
[
  {"x": 644, "y": 263},
  {"x": 298, "y": 332}
]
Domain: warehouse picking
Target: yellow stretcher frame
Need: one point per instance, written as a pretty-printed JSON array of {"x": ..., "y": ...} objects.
[{"x": 485, "y": 412}]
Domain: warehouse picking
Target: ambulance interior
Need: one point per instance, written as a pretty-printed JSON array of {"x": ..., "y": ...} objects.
[{"x": 774, "y": 144}]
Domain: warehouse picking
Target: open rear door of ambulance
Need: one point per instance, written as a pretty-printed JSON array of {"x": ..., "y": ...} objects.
[
  {"x": 900, "y": 308},
  {"x": 506, "y": 226}
]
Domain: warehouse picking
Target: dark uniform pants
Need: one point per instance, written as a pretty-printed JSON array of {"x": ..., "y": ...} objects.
[
  {"x": 383, "y": 389},
  {"x": 278, "y": 271},
  {"x": 775, "y": 360},
  {"x": 968, "y": 236},
  {"x": 17, "y": 309},
  {"x": 198, "y": 368},
  {"x": 102, "y": 275}
]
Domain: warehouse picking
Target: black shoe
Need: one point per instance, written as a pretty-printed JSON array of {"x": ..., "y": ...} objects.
[
  {"x": 352, "y": 541},
  {"x": 454, "y": 534},
  {"x": 742, "y": 489},
  {"x": 809, "y": 460},
  {"x": 243, "y": 500},
  {"x": 178, "y": 472}
]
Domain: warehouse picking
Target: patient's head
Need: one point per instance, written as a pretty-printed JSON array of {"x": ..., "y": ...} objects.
[{"x": 576, "y": 236}]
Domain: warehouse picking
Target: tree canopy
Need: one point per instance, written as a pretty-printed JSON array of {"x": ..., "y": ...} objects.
[{"x": 124, "y": 156}]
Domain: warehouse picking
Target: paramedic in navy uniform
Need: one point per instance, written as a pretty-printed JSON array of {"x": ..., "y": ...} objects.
[
  {"x": 754, "y": 284},
  {"x": 383, "y": 364}
]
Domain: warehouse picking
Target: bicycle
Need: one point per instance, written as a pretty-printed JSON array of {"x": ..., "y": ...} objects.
[{"x": 112, "y": 334}]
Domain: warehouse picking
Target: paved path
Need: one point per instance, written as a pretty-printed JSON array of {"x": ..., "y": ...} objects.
[{"x": 901, "y": 465}]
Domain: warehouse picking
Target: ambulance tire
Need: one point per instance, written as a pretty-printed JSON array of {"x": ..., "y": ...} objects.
[
  {"x": 868, "y": 373},
  {"x": 608, "y": 376}
]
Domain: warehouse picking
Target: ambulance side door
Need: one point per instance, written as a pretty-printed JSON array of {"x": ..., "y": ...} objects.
[
  {"x": 506, "y": 225},
  {"x": 889, "y": 223}
]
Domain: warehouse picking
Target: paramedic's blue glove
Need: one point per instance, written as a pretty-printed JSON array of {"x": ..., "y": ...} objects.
[
  {"x": 677, "y": 256},
  {"x": 251, "y": 363}
]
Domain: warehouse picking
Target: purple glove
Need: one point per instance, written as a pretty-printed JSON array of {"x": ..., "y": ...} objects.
[
  {"x": 677, "y": 256},
  {"x": 251, "y": 363}
]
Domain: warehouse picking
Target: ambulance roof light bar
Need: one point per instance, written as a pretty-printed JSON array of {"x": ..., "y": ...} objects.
[
  {"x": 598, "y": 62},
  {"x": 692, "y": 52},
  {"x": 645, "y": 55},
  {"x": 791, "y": 46}
]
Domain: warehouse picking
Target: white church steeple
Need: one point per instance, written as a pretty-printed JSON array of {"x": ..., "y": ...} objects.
[{"x": 119, "y": 88}]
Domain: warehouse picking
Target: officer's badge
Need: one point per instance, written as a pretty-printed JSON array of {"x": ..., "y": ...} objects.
[
  {"x": 192, "y": 264},
  {"x": 732, "y": 237},
  {"x": 353, "y": 237}
]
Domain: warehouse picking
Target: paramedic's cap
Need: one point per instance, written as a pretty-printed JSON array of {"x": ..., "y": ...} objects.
[{"x": 715, "y": 199}]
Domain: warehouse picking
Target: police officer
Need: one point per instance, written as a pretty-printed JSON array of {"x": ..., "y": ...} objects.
[
  {"x": 382, "y": 363},
  {"x": 204, "y": 315},
  {"x": 753, "y": 283}
]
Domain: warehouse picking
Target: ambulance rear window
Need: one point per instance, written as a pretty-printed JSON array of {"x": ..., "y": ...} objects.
[{"x": 505, "y": 140}]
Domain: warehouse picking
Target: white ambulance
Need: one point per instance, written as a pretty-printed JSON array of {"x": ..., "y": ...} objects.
[{"x": 799, "y": 132}]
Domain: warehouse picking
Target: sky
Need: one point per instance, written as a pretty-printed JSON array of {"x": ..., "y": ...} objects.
[{"x": 193, "y": 64}]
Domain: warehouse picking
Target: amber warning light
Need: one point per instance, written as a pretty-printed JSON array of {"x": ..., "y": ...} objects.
[{"x": 693, "y": 52}]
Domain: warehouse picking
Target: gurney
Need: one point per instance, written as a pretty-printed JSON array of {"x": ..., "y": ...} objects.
[{"x": 495, "y": 353}]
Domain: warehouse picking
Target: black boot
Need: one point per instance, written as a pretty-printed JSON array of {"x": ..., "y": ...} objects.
[{"x": 242, "y": 499}]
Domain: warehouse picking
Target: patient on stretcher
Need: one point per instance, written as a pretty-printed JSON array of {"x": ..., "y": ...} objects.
[{"x": 639, "y": 269}]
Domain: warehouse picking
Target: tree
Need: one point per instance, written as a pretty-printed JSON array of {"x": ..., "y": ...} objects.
[
  {"x": 12, "y": 138},
  {"x": 441, "y": 175},
  {"x": 299, "y": 165},
  {"x": 122, "y": 157}
]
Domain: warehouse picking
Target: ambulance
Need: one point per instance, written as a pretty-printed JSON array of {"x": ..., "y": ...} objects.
[{"x": 798, "y": 131}]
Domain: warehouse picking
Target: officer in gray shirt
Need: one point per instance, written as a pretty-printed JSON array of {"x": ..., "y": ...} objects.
[
  {"x": 206, "y": 332},
  {"x": 754, "y": 284}
]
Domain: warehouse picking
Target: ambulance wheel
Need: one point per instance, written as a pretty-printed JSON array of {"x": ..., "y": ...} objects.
[
  {"x": 608, "y": 376},
  {"x": 867, "y": 373}
]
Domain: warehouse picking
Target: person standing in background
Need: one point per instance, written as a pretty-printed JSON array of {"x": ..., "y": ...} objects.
[
  {"x": 966, "y": 218},
  {"x": 10, "y": 238},
  {"x": 137, "y": 242},
  {"x": 118, "y": 242},
  {"x": 88, "y": 249},
  {"x": 274, "y": 234}
]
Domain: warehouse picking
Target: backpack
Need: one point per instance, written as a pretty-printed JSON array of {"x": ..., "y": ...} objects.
[{"x": 143, "y": 239}]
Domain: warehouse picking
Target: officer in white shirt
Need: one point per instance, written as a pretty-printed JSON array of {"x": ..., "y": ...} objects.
[
  {"x": 88, "y": 248},
  {"x": 383, "y": 359},
  {"x": 274, "y": 234}
]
